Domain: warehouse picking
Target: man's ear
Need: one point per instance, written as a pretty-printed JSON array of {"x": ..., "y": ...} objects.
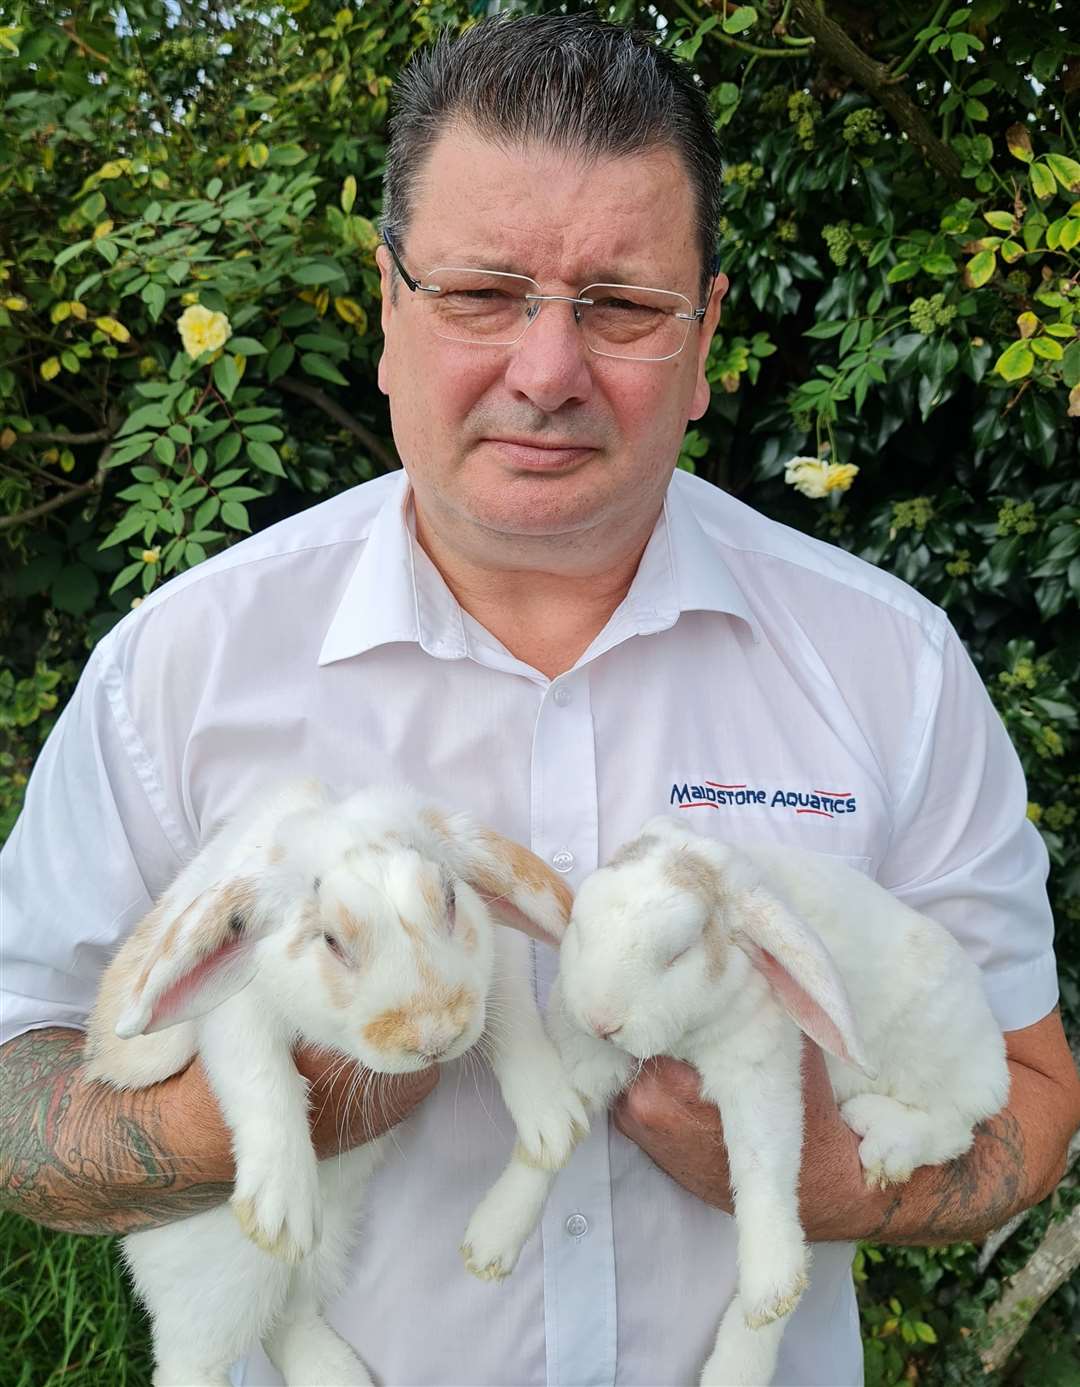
[
  {"x": 386, "y": 283},
  {"x": 700, "y": 402}
]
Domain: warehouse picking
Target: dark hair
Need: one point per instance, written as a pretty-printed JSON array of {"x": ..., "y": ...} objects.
[{"x": 572, "y": 82}]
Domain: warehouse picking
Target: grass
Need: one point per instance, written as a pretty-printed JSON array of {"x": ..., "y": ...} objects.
[{"x": 67, "y": 1316}]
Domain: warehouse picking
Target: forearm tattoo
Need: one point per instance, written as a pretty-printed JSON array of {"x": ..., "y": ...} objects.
[
  {"x": 970, "y": 1195},
  {"x": 86, "y": 1158}
]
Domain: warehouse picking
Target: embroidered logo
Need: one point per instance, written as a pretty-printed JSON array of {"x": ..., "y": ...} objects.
[{"x": 714, "y": 795}]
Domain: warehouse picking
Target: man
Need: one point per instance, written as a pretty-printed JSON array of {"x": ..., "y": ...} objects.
[{"x": 538, "y": 624}]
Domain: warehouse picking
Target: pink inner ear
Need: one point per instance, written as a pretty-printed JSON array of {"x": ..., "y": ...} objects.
[
  {"x": 508, "y": 914},
  {"x": 800, "y": 1006},
  {"x": 178, "y": 998}
]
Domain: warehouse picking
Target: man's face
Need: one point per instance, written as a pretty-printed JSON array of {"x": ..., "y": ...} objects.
[{"x": 543, "y": 438}]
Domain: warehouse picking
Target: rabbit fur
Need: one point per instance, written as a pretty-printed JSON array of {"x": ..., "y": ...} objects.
[
  {"x": 364, "y": 927},
  {"x": 721, "y": 957}
]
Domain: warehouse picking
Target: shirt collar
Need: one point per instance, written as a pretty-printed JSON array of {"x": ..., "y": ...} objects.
[{"x": 397, "y": 594}]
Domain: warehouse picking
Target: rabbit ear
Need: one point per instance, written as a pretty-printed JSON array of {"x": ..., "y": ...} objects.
[
  {"x": 522, "y": 890},
  {"x": 191, "y": 960},
  {"x": 800, "y": 971}
]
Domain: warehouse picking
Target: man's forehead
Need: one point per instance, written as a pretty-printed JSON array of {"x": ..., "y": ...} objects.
[{"x": 534, "y": 208}]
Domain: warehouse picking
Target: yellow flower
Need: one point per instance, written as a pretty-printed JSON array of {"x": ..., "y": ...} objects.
[
  {"x": 203, "y": 331},
  {"x": 816, "y": 479}
]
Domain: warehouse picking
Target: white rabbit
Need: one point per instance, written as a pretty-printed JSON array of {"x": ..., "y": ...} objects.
[
  {"x": 721, "y": 956},
  {"x": 361, "y": 927}
]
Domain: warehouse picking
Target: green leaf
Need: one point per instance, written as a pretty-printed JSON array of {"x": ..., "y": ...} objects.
[
  {"x": 165, "y": 451},
  {"x": 1000, "y": 221},
  {"x": 226, "y": 376},
  {"x": 1047, "y": 348},
  {"x": 980, "y": 268},
  {"x": 125, "y": 575},
  {"x": 1042, "y": 181},
  {"x": 905, "y": 269},
  {"x": 741, "y": 19},
  {"x": 938, "y": 265},
  {"x": 234, "y": 515},
  {"x": 287, "y": 155},
  {"x": 1015, "y": 361},
  {"x": 228, "y": 447},
  {"x": 832, "y": 328},
  {"x": 131, "y": 524},
  {"x": 281, "y": 358},
  {"x": 1070, "y": 365},
  {"x": 265, "y": 458},
  {"x": 316, "y": 365},
  {"x": 263, "y": 433},
  {"x": 246, "y": 346},
  {"x": 317, "y": 272},
  {"x": 146, "y": 417},
  {"x": 70, "y": 252},
  {"x": 153, "y": 295},
  {"x": 1065, "y": 170}
]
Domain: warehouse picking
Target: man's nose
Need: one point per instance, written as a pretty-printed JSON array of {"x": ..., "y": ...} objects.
[{"x": 550, "y": 365}]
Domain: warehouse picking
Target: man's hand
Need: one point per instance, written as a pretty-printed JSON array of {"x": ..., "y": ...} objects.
[
  {"x": 347, "y": 1104},
  {"x": 1016, "y": 1159},
  {"x": 664, "y": 1113}
]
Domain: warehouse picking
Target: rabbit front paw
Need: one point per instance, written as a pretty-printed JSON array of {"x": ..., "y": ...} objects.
[
  {"x": 550, "y": 1119},
  {"x": 772, "y": 1277},
  {"x": 496, "y": 1234},
  {"x": 279, "y": 1206}
]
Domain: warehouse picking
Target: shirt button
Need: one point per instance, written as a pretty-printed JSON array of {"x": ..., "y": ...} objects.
[
  {"x": 563, "y": 861},
  {"x": 562, "y": 696},
  {"x": 577, "y": 1225}
]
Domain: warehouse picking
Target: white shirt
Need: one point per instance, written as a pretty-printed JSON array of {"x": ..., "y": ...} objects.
[{"x": 771, "y": 686}]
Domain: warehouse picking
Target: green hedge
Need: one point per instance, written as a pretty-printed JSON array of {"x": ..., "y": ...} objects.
[{"x": 902, "y": 233}]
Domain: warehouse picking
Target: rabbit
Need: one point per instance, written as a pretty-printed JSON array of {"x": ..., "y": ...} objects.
[
  {"x": 366, "y": 928},
  {"x": 721, "y": 956}
]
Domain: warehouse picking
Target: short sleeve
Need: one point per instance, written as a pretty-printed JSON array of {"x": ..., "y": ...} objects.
[
  {"x": 94, "y": 845},
  {"x": 963, "y": 849}
]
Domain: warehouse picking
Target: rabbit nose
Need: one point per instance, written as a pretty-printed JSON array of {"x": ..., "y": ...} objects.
[
  {"x": 438, "y": 1039},
  {"x": 603, "y": 1026}
]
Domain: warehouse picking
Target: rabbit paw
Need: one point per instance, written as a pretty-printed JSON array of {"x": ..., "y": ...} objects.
[
  {"x": 772, "y": 1279},
  {"x": 495, "y": 1236},
  {"x": 550, "y": 1119},
  {"x": 279, "y": 1206},
  {"x": 891, "y": 1145}
]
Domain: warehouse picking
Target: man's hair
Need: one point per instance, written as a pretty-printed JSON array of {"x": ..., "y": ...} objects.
[{"x": 572, "y": 82}]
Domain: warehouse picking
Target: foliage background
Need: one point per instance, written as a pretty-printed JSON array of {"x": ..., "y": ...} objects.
[{"x": 902, "y": 234}]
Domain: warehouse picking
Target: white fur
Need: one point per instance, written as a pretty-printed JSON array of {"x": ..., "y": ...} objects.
[
  {"x": 262, "y": 1267},
  {"x": 689, "y": 948}
]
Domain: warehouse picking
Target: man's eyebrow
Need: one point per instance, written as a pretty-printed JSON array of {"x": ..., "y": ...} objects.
[{"x": 645, "y": 277}]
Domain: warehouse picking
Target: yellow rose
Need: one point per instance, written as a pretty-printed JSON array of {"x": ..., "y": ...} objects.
[
  {"x": 814, "y": 478},
  {"x": 203, "y": 331}
]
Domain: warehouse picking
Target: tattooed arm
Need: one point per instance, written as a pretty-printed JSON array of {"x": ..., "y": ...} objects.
[
  {"x": 85, "y": 1158},
  {"x": 1016, "y": 1160}
]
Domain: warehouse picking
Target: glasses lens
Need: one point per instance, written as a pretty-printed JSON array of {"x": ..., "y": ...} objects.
[
  {"x": 479, "y": 305},
  {"x": 627, "y": 321}
]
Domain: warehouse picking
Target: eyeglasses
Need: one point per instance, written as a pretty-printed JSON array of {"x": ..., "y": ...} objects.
[{"x": 490, "y": 308}]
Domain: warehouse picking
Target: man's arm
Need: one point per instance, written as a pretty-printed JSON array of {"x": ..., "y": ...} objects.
[
  {"x": 85, "y": 1158},
  {"x": 1016, "y": 1160}
]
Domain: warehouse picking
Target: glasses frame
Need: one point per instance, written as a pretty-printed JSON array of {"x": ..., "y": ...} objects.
[{"x": 537, "y": 301}]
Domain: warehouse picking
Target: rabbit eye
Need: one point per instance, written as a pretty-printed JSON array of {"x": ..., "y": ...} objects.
[
  {"x": 675, "y": 957},
  {"x": 236, "y": 922},
  {"x": 334, "y": 946},
  {"x": 451, "y": 906}
]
